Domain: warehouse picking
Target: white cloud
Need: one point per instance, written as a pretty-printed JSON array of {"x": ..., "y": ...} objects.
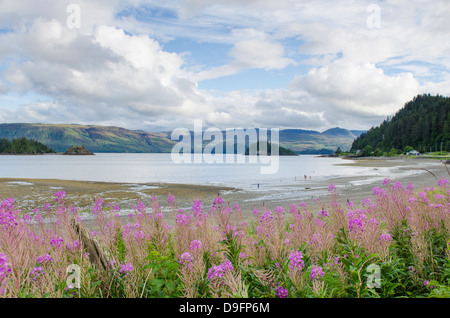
[{"x": 116, "y": 69}]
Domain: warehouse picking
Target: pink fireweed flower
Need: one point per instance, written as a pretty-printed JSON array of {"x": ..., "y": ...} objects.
[
  {"x": 316, "y": 273},
  {"x": 195, "y": 245},
  {"x": 57, "y": 241},
  {"x": 7, "y": 213},
  {"x": 126, "y": 269},
  {"x": 427, "y": 284},
  {"x": 266, "y": 217},
  {"x": 439, "y": 196},
  {"x": 423, "y": 196},
  {"x": 385, "y": 237},
  {"x": 255, "y": 212},
  {"x": 331, "y": 188},
  {"x": 60, "y": 196},
  {"x": 218, "y": 201},
  {"x": 182, "y": 219},
  {"x": 4, "y": 266},
  {"x": 293, "y": 208},
  {"x": 46, "y": 258},
  {"x": 387, "y": 181},
  {"x": 279, "y": 210},
  {"x": 140, "y": 207},
  {"x": 73, "y": 245},
  {"x": 170, "y": 198},
  {"x": 37, "y": 273},
  {"x": 443, "y": 182},
  {"x": 323, "y": 212},
  {"x": 397, "y": 185},
  {"x": 281, "y": 292},
  {"x": 219, "y": 270},
  {"x": 186, "y": 259},
  {"x": 139, "y": 235},
  {"x": 410, "y": 187},
  {"x": 336, "y": 260},
  {"x": 296, "y": 261},
  {"x": 98, "y": 206}
]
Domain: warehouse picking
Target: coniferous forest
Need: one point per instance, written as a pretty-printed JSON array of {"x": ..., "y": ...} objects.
[
  {"x": 422, "y": 124},
  {"x": 23, "y": 146}
]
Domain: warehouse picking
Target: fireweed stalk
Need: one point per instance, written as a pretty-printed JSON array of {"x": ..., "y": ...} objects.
[{"x": 37, "y": 247}]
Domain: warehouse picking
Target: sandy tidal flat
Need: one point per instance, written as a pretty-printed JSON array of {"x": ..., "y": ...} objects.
[{"x": 34, "y": 193}]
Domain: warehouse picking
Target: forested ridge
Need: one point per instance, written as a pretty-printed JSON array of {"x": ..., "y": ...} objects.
[
  {"x": 422, "y": 124},
  {"x": 23, "y": 146}
]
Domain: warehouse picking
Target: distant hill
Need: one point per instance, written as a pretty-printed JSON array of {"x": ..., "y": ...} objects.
[
  {"x": 115, "y": 139},
  {"x": 422, "y": 124},
  {"x": 314, "y": 142},
  {"x": 94, "y": 138}
]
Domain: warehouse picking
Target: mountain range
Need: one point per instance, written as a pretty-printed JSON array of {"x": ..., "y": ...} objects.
[{"x": 99, "y": 139}]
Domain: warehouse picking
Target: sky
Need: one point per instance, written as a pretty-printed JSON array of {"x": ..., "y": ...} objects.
[{"x": 160, "y": 65}]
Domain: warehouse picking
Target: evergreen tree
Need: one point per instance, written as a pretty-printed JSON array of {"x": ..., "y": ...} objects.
[{"x": 423, "y": 124}]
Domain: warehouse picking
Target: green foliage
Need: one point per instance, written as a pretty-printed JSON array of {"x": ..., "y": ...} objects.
[
  {"x": 422, "y": 124},
  {"x": 120, "y": 246},
  {"x": 23, "y": 146},
  {"x": 164, "y": 280},
  {"x": 232, "y": 248},
  {"x": 355, "y": 261}
]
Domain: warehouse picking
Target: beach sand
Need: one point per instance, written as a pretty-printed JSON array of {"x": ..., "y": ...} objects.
[{"x": 34, "y": 193}]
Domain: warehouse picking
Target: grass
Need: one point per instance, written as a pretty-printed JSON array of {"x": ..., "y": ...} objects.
[{"x": 395, "y": 243}]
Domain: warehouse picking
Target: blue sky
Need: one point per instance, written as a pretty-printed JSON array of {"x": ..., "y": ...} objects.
[{"x": 159, "y": 65}]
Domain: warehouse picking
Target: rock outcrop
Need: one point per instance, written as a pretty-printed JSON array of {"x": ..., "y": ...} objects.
[{"x": 78, "y": 150}]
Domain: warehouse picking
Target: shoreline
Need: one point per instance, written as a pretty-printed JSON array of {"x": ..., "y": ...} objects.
[{"x": 34, "y": 193}]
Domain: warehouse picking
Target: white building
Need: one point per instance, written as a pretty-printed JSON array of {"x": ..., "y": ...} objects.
[{"x": 413, "y": 153}]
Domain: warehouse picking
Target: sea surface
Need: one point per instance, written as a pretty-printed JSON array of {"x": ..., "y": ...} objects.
[{"x": 161, "y": 168}]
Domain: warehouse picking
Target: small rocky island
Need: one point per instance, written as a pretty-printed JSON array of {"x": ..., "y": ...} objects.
[{"x": 78, "y": 150}]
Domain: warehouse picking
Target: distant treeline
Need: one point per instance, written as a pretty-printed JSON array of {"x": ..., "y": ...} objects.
[
  {"x": 23, "y": 146},
  {"x": 422, "y": 124}
]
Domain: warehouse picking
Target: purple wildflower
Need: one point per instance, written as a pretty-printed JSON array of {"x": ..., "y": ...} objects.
[
  {"x": 443, "y": 182},
  {"x": 60, "y": 196},
  {"x": 281, "y": 292},
  {"x": 195, "y": 245},
  {"x": 186, "y": 259},
  {"x": 57, "y": 241},
  {"x": 126, "y": 269},
  {"x": 323, "y": 212},
  {"x": 4, "y": 268},
  {"x": 296, "y": 261},
  {"x": 385, "y": 237},
  {"x": 219, "y": 270},
  {"x": 41, "y": 259},
  {"x": 37, "y": 273},
  {"x": 316, "y": 271},
  {"x": 183, "y": 219}
]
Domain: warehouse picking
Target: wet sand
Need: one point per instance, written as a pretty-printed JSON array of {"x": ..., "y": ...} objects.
[{"x": 34, "y": 193}]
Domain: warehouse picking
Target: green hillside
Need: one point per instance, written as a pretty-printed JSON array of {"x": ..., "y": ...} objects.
[
  {"x": 93, "y": 138},
  {"x": 422, "y": 124},
  {"x": 115, "y": 139}
]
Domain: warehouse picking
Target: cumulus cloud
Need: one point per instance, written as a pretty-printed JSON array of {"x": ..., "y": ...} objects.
[{"x": 115, "y": 69}]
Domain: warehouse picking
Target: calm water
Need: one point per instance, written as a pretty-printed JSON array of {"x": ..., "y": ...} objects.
[{"x": 149, "y": 168}]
